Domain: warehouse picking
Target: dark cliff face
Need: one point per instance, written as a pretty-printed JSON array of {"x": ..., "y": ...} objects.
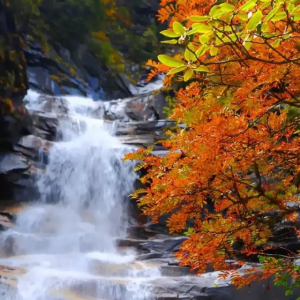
[
  {"x": 14, "y": 119},
  {"x": 99, "y": 62}
]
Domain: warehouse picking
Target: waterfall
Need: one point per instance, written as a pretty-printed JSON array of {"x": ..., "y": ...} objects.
[{"x": 66, "y": 242}]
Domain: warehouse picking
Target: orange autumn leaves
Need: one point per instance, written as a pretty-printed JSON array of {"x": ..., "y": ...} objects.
[{"x": 232, "y": 173}]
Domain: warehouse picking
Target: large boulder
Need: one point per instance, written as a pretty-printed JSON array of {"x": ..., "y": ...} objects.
[
  {"x": 143, "y": 107},
  {"x": 12, "y": 162},
  {"x": 209, "y": 287},
  {"x": 62, "y": 72}
]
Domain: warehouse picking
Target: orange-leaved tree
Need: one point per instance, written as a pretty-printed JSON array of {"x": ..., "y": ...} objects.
[{"x": 231, "y": 177}]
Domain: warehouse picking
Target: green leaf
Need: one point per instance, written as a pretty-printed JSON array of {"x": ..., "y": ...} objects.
[
  {"x": 265, "y": 5},
  {"x": 169, "y": 61},
  {"x": 230, "y": 38},
  {"x": 196, "y": 25},
  {"x": 188, "y": 74},
  {"x": 278, "y": 16},
  {"x": 264, "y": 28},
  {"x": 189, "y": 53},
  {"x": 216, "y": 12},
  {"x": 289, "y": 292},
  {"x": 169, "y": 33},
  {"x": 248, "y": 5},
  {"x": 204, "y": 39},
  {"x": 139, "y": 167},
  {"x": 189, "y": 232},
  {"x": 200, "y": 28},
  {"x": 296, "y": 9},
  {"x": 172, "y": 42},
  {"x": 291, "y": 7},
  {"x": 271, "y": 14},
  {"x": 202, "y": 69},
  {"x": 227, "y": 28},
  {"x": 193, "y": 31},
  {"x": 219, "y": 35},
  {"x": 199, "y": 18},
  {"x": 243, "y": 16},
  {"x": 296, "y": 17},
  {"x": 202, "y": 50},
  {"x": 248, "y": 43},
  {"x": 276, "y": 44},
  {"x": 254, "y": 21},
  {"x": 214, "y": 9},
  {"x": 178, "y": 28},
  {"x": 177, "y": 70},
  {"x": 258, "y": 28},
  {"x": 227, "y": 7},
  {"x": 269, "y": 34},
  {"x": 214, "y": 51}
]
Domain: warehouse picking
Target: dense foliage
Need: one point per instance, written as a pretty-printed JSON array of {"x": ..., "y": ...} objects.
[
  {"x": 105, "y": 26},
  {"x": 231, "y": 178}
]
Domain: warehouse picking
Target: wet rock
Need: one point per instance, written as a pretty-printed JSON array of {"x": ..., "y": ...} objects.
[
  {"x": 156, "y": 228},
  {"x": 143, "y": 127},
  {"x": 54, "y": 74},
  {"x": 183, "y": 287},
  {"x": 144, "y": 107},
  {"x": 14, "y": 118},
  {"x": 31, "y": 142},
  {"x": 12, "y": 128},
  {"x": 46, "y": 125},
  {"x": 16, "y": 177},
  {"x": 163, "y": 245},
  {"x": 138, "y": 232},
  {"x": 209, "y": 287},
  {"x": 125, "y": 84},
  {"x": 128, "y": 109},
  {"x": 34, "y": 148},
  {"x": 154, "y": 257},
  {"x": 12, "y": 162},
  {"x": 135, "y": 243},
  {"x": 143, "y": 133},
  {"x": 6, "y": 221},
  {"x": 174, "y": 271},
  {"x": 139, "y": 140},
  {"x": 258, "y": 291}
]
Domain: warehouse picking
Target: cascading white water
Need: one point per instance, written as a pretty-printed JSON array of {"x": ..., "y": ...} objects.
[{"x": 66, "y": 242}]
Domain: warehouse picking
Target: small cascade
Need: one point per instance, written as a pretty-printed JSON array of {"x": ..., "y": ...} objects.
[{"x": 65, "y": 245}]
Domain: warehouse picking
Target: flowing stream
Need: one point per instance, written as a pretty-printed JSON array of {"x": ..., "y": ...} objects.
[{"x": 65, "y": 245}]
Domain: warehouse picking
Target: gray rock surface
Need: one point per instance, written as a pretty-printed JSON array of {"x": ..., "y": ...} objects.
[
  {"x": 48, "y": 75},
  {"x": 143, "y": 107},
  {"x": 11, "y": 162}
]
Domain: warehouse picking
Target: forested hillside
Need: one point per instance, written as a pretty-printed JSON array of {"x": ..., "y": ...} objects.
[{"x": 85, "y": 45}]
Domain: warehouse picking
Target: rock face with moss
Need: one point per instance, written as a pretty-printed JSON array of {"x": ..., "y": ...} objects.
[
  {"x": 99, "y": 59},
  {"x": 13, "y": 80},
  {"x": 14, "y": 118}
]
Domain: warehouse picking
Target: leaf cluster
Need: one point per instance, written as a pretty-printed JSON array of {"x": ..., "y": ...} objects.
[{"x": 233, "y": 168}]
